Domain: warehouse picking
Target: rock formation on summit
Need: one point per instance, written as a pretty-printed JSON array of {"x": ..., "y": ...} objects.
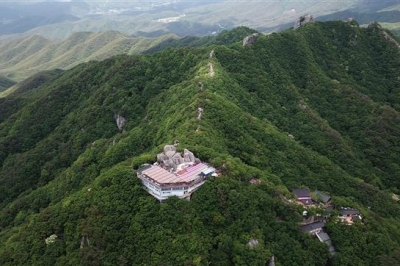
[
  {"x": 303, "y": 20},
  {"x": 251, "y": 39}
]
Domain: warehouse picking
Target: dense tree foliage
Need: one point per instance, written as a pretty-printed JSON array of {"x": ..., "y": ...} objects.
[
  {"x": 315, "y": 107},
  {"x": 225, "y": 37}
]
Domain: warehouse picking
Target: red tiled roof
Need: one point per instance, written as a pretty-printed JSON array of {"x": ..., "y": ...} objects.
[
  {"x": 162, "y": 176},
  {"x": 192, "y": 172}
]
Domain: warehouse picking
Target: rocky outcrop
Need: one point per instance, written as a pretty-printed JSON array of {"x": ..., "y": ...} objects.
[
  {"x": 302, "y": 105},
  {"x": 251, "y": 39},
  {"x": 303, "y": 20},
  {"x": 253, "y": 243},
  {"x": 51, "y": 239},
  {"x": 272, "y": 261},
  {"x": 201, "y": 85},
  {"x": 170, "y": 158},
  {"x": 84, "y": 241},
  {"x": 120, "y": 120},
  {"x": 199, "y": 113},
  {"x": 390, "y": 39},
  {"x": 188, "y": 156},
  {"x": 211, "y": 71}
]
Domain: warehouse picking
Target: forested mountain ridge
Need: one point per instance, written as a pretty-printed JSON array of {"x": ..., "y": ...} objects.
[
  {"x": 315, "y": 107},
  {"x": 20, "y": 57},
  {"x": 23, "y": 57},
  {"x": 55, "y": 19}
]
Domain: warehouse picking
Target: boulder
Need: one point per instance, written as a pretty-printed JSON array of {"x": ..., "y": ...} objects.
[
  {"x": 251, "y": 39},
  {"x": 303, "y": 20},
  {"x": 120, "y": 120}
]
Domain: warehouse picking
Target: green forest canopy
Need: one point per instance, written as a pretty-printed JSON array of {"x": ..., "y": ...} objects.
[{"x": 315, "y": 107}]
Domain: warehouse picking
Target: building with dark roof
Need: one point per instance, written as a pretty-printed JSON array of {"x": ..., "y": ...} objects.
[
  {"x": 329, "y": 208},
  {"x": 303, "y": 196},
  {"x": 316, "y": 228},
  {"x": 349, "y": 212},
  {"x": 312, "y": 228},
  {"x": 349, "y": 215},
  {"x": 324, "y": 238},
  {"x": 322, "y": 197}
]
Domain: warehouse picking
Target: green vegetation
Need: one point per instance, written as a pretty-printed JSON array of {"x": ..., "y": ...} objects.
[
  {"x": 20, "y": 58},
  {"x": 393, "y": 27},
  {"x": 387, "y": 18},
  {"x": 24, "y": 57},
  {"x": 224, "y": 38},
  {"x": 28, "y": 85},
  {"x": 202, "y": 17},
  {"x": 5, "y": 83},
  {"x": 317, "y": 107}
]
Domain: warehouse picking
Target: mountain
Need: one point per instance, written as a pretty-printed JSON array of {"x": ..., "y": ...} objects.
[
  {"x": 369, "y": 5},
  {"x": 5, "y": 83},
  {"x": 18, "y": 17},
  {"x": 388, "y": 19},
  {"x": 60, "y": 19},
  {"x": 314, "y": 107},
  {"x": 21, "y": 57},
  {"x": 35, "y": 35}
]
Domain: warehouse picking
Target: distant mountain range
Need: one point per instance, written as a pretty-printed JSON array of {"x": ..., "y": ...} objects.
[
  {"x": 60, "y": 19},
  {"x": 36, "y": 36},
  {"x": 24, "y": 56}
]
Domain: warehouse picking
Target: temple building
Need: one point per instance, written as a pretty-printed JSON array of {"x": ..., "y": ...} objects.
[{"x": 174, "y": 174}]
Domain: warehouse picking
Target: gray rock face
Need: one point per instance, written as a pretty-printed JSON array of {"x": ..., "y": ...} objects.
[
  {"x": 272, "y": 261},
  {"x": 251, "y": 39},
  {"x": 199, "y": 113},
  {"x": 170, "y": 158},
  {"x": 212, "y": 54},
  {"x": 188, "y": 156},
  {"x": 169, "y": 152},
  {"x": 177, "y": 158},
  {"x": 161, "y": 157},
  {"x": 252, "y": 243},
  {"x": 303, "y": 20},
  {"x": 120, "y": 120},
  {"x": 390, "y": 39},
  {"x": 51, "y": 239}
]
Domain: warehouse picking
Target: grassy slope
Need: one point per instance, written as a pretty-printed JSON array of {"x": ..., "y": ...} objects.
[{"x": 253, "y": 101}]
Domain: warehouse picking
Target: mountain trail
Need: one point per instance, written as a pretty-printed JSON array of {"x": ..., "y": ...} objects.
[{"x": 211, "y": 71}]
